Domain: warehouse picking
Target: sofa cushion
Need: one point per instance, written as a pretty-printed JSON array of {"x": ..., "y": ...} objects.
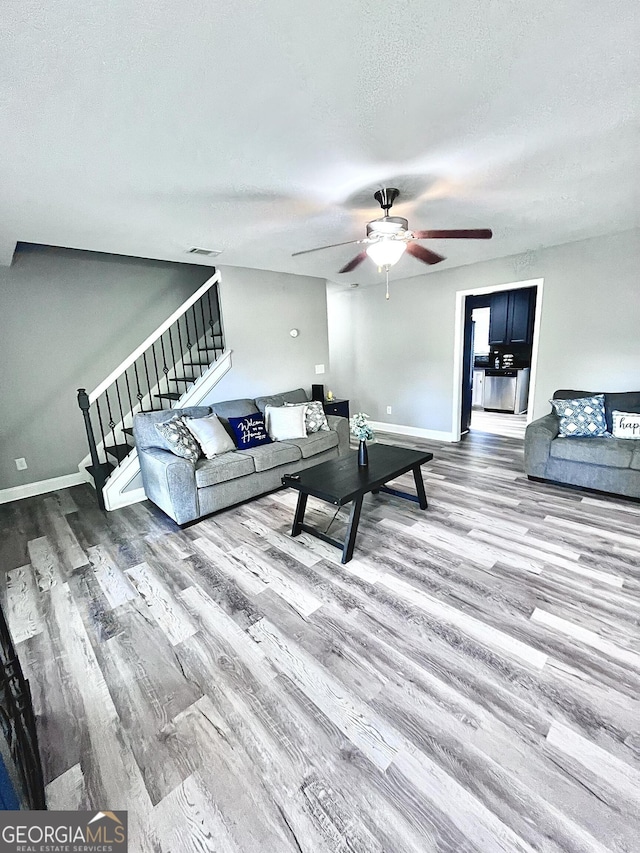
[
  {"x": 249, "y": 431},
  {"x": 210, "y": 435},
  {"x": 314, "y": 416},
  {"x": 145, "y": 432},
  {"x": 626, "y": 425},
  {"x": 626, "y": 401},
  {"x": 612, "y": 452},
  {"x": 581, "y": 416},
  {"x": 179, "y": 438},
  {"x": 221, "y": 469},
  {"x": 285, "y": 422},
  {"x": 269, "y": 456},
  {"x": 635, "y": 459},
  {"x": 297, "y": 396},
  {"x": 318, "y": 442},
  {"x": 234, "y": 408}
]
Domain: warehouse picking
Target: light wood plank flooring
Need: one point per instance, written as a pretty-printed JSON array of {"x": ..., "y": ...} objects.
[
  {"x": 498, "y": 423},
  {"x": 469, "y": 682}
]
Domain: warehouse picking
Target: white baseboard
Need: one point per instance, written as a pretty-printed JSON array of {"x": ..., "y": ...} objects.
[
  {"x": 416, "y": 432},
  {"x": 41, "y": 487}
]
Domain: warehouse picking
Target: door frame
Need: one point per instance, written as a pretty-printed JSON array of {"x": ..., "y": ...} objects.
[{"x": 458, "y": 343}]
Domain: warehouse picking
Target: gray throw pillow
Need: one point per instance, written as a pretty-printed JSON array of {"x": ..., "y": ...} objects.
[
  {"x": 582, "y": 417},
  {"x": 315, "y": 418},
  {"x": 210, "y": 435},
  {"x": 181, "y": 442}
]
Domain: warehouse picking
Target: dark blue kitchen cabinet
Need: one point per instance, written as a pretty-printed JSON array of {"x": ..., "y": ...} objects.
[
  {"x": 510, "y": 317},
  {"x": 498, "y": 318},
  {"x": 519, "y": 321}
]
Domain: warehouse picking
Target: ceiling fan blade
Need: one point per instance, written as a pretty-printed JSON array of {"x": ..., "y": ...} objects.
[
  {"x": 331, "y": 246},
  {"x": 459, "y": 234},
  {"x": 354, "y": 262},
  {"x": 422, "y": 254}
]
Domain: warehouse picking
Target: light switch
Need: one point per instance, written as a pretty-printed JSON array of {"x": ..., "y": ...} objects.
[{"x": 319, "y": 368}]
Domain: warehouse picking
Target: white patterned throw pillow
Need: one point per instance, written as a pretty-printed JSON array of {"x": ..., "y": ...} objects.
[
  {"x": 176, "y": 433},
  {"x": 315, "y": 418},
  {"x": 626, "y": 424},
  {"x": 581, "y": 417}
]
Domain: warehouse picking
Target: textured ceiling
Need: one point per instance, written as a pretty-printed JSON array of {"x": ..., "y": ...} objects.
[{"x": 263, "y": 128}]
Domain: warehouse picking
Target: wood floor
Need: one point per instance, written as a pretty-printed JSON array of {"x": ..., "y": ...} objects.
[
  {"x": 498, "y": 423},
  {"x": 469, "y": 682}
]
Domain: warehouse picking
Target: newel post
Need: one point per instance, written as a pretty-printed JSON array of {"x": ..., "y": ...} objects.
[{"x": 97, "y": 470}]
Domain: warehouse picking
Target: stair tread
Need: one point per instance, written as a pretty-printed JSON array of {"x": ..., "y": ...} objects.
[
  {"x": 105, "y": 467},
  {"x": 183, "y": 379},
  {"x": 208, "y": 349},
  {"x": 120, "y": 451},
  {"x": 127, "y": 430},
  {"x": 196, "y": 363},
  {"x": 169, "y": 395}
]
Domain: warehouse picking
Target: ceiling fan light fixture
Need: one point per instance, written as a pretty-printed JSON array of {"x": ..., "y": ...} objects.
[
  {"x": 386, "y": 252},
  {"x": 388, "y": 237}
]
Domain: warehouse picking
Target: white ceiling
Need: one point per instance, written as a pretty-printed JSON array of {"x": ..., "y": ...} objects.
[{"x": 263, "y": 128}]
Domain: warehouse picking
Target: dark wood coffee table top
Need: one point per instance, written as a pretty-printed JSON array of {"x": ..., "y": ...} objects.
[{"x": 341, "y": 480}]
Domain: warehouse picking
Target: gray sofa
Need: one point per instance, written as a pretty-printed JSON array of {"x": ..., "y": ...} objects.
[
  {"x": 604, "y": 464},
  {"x": 186, "y": 492}
]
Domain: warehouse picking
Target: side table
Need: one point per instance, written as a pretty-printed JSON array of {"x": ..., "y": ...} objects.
[{"x": 336, "y": 407}]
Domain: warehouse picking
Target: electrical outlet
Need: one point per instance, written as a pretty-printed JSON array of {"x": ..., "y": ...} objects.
[
  {"x": 21, "y": 464},
  {"x": 388, "y": 410},
  {"x": 319, "y": 368}
]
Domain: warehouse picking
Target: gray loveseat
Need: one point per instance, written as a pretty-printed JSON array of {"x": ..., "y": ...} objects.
[
  {"x": 605, "y": 464},
  {"x": 187, "y": 492}
]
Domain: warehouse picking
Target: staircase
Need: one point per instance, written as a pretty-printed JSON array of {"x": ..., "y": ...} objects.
[{"x": 176, "y": 366}]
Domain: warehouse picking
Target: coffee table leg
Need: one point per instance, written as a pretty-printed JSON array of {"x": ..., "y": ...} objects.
[
  {"x": 298, "y": 518},
  {"x": 352, "y": 529},
  {"x": 422, "y": 495}
]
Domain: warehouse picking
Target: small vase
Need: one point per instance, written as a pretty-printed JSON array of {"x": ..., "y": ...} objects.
[{"x": 363, "y": 454}]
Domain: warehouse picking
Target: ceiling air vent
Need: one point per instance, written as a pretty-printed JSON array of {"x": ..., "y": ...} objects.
[{"x": 211, "y": 253}]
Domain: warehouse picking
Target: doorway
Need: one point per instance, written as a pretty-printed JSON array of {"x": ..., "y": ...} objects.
[{"x": 497, "y": 332}]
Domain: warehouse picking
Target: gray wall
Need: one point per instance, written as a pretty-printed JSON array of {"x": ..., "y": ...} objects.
[
  {"x": 258, "y": 311},
  {"x": 400, "y": 353},
  {"x": 67, "y": 318}
]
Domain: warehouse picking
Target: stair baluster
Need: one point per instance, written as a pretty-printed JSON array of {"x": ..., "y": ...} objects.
[{"x": 181, "y": 351}]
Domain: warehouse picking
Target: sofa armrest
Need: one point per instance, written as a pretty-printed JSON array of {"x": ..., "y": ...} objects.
[
  {"x": 537, "y": 444},
  {"x": 170, "y": 482},
  {"x": 341, "y": 426}
]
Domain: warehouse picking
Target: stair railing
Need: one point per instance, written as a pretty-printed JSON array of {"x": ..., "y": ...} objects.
[
  {"x": 20, "y": 752},
  {"x": 152, "y": 378}
]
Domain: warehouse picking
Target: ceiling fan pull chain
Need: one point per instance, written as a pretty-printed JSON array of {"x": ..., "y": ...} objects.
[{"x": 387, "y": 296}]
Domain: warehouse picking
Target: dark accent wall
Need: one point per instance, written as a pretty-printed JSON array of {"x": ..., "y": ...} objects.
[{"x": 67, "y": 319}]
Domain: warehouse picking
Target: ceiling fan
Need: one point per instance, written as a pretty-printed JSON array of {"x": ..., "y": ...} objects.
[{"x": 389, "y": 237}]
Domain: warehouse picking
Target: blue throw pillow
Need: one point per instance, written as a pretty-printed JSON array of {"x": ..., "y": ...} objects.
[
  {"x": 249, "y": 431},
  {"x": 581, "y": 417}
]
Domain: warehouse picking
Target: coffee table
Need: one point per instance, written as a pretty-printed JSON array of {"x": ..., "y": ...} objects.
[{"x": 341, "y": 481}]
